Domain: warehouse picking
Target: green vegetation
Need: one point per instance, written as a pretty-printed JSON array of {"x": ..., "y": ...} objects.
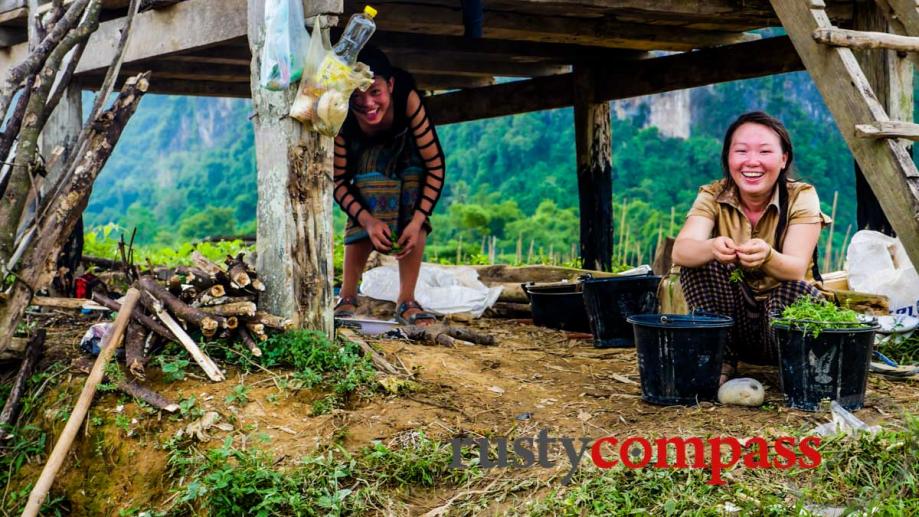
[
  {"x": 813, "y": 316},
  {"x": 736, "y": 276},
  {"x": 102, "y": 241},
  {"x": 336, "y": 367},
  {"x": 875, "y": 474},
  {"x": 232, "y": 481}
]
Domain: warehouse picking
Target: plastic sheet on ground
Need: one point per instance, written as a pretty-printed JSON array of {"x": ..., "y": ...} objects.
[{"x": 440, "y": 289}]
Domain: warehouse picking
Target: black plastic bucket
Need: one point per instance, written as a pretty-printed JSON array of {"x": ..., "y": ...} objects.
[
  {"x": 610, "y": 301},
  {"x": 679, "y": 356},
  {"x": 558, "y": 306},
  {"x": 831, "y": 365}
]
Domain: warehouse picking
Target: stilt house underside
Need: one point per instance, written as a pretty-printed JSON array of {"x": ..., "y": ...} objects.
[{"x": 200, "y": 47}]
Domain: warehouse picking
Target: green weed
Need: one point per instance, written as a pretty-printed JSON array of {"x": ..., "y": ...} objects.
[
  {"x": 813, "y": 316},
  {"x": 319, "y": 362},
  {"x": 173, "y": 368},
  {"x": 239, "y": 396}
]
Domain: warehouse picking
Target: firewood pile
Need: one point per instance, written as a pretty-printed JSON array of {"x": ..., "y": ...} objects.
[{"x": 216, "y": 301}]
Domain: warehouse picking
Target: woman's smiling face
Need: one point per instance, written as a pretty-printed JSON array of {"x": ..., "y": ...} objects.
[
  {"x": 755, "y": 159},
  {"x": 372, "y": 106}
]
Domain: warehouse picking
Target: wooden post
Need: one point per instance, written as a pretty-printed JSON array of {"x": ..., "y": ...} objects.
[
  {"x": 593, "y": 135},
  {"x": 891, "y": 77},
  {"x": 294, "y": 240}
]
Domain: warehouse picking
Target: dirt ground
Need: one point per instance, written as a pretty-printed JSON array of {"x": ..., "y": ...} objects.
[{"x": 534, "y": 379}]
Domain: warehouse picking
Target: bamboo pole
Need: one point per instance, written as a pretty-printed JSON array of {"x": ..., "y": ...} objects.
[
  {"x": 530, "y": 253},
  {"x": 840, "y": 257},
  {"x": 519, "y": 257},
  {"x": 459, "y": 250},
  {"x": 829, "y": 240},
  {"x": 62, "y": 447},
  {"x": 672, "y": 220}
]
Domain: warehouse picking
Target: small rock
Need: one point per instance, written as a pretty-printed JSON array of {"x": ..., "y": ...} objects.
[{"x": 742, "y": 392}]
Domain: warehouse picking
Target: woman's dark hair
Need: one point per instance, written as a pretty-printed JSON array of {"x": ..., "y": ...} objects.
[
  {"x": 764, "y": 119},
  {"x": 379, "y": 64}
]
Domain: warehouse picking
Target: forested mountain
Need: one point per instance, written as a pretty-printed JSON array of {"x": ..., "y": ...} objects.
[{"x": 185, "y": 169}]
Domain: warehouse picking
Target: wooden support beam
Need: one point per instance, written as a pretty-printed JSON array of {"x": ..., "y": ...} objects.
[
  {"x": 593, "y": 144},
  {"x": 439, "y": 82},
  {"x": 621, "y": 81},
  {"x": 294, "y": 242},
  {"x": 422, "y": 61},
  {"x": 889, "y": 170},
  {"x": 888, "y": 129},
  {"x": 509, "y": 50},
  {"x": 182, "y": 87},
  {"x": 603, "y": 31},
  {"x": 866, "y": 39}
]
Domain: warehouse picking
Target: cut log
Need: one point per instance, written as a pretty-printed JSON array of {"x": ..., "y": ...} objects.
[
  {"x": 272, "y": 321},
  {"x": 206, "y": 300},
  {"x": 205, "y": 362},
  {"x": 509, "y": 310},
  {"x": 206, "y": 322},
  {"x": 232, "y": 322},
  {"x": 196, "y": 277},
  {"x": 258, "y": 285},
  {"x": 231, "y": 309},
  {"x": 249, "y": 342},
  {"x": 111, "y": 342},
  {"x": 175, "y": 285},
  {"x": 148, "y": 322},
  {"x": 217, "y": 291},
  {"x": 257, "y": 330},
  {"x": 510, "y": 292},
  {"x": 212, "y": 269},
  {"x": 67, "y": 303},
  {"x": 149, "y": 396},
  {"x": 11, "y": 408},
  {"x": 238, "y": 272},
  {"x": 134, "y": 349}
]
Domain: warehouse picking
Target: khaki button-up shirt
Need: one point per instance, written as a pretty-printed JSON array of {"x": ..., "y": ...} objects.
[{"x": 721, "y": 204}]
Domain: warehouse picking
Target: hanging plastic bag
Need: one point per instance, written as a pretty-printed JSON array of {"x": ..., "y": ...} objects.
[
  {"x": 322, "y": 99},
  {"x": 285, "y": 44}
]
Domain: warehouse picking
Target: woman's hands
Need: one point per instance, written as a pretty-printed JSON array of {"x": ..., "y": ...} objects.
[
  {"x": 408, "y": 241},
  {"x": 753, "y": 253},
  {"x": 750, "y": 255},
  {"x": 724, "y": 249},
  {"x": 379, "y": 234}
]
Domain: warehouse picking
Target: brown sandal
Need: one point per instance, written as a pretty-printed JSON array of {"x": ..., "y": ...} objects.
[{"x": 344, "y": 313}]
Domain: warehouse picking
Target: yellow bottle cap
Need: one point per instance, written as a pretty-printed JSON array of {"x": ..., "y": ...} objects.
[{"x": 370, "y": 11}]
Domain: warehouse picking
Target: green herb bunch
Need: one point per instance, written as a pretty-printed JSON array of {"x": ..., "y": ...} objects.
[
  {"x": 815, "y": 315},
  {"x": 736, "y": 276}
]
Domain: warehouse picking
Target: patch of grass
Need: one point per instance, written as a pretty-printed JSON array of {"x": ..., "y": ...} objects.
[
  {"x": 232, "y": 481},
  {"x": 28, "y": 444},
  {"x": 335, "y": 366},
  {"x": 868, "y": 472},
  {"x": 813, "y": 316}
]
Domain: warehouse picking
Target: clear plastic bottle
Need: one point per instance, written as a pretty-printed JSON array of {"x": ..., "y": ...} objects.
[
  {"x": 337, "y": 65},
  {"x": 357, "y": 33}
]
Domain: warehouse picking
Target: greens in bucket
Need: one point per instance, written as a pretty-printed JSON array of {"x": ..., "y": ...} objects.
[{"x": 815, "y": 315}]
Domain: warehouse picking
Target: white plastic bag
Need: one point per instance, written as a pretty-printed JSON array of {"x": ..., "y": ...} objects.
[
  {"x": 441, "y": 290},
  {"x": 285, "y": 44},
  {"x": 878, "y": 264}
]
